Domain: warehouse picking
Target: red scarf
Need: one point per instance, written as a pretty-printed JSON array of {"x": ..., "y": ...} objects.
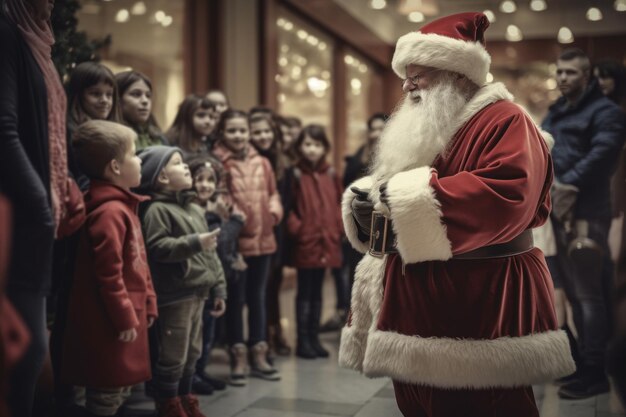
[{"x": 39, "y": 37}]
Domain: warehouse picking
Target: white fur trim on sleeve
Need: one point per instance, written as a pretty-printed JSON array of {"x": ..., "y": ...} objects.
[
  {"x": 468, "y": 363},
  {"x": 468, "y": 58},
  {"x": 349, "y": 224},
  {"x": 416, "y": 217}
]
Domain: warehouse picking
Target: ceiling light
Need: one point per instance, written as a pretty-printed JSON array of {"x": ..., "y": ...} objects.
[
  {"x": 508, "y": 6},
  {"x": 356, "y": 84},
  {"x": 138, "y": 8},
  {"x": 490, "y": 15},
  {"x": 122, "y": 16},
  {"x": 416, "y": 17},
  {"x": 565, "y": 35},
  {"x": 378, "y": 4},
  {"x": 594, "y": 14},
  {"x": 538, "y": 5},
  {"x": 167, "y": 20},
  {"x": 288, "y": 25},
  {"x": 348, "y": 59},
  {"x": 620, "y": 5},
  {"x": 513, "y": 34},
  {"x": 159, "y": 16}
]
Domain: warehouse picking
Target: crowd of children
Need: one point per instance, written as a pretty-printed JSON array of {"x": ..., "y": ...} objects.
[{"x": 182, "y": 228}]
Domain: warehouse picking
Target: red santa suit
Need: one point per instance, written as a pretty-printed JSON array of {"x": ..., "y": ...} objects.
[{"x": 425, "y": 318}]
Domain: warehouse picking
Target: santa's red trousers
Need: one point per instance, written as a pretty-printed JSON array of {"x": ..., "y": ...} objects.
[{"x": 421, "y": 401}]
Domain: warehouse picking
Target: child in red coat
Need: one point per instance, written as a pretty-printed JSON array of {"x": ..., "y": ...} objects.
[
  {"x": 112, "y": 301},
  {"x": 314, "y": 225}
]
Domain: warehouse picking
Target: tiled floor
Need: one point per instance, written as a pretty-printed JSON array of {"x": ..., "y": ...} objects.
[{"x": 319, "y": 388}]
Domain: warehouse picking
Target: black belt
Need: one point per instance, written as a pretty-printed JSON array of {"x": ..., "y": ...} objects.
[{"x": 383, "y": 241}]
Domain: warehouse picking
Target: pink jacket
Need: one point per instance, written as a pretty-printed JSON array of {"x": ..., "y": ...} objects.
[{"x": 252, "y": 186}]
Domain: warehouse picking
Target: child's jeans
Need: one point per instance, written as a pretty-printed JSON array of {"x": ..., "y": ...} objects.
[
  {"x": 105, "y": 401},
  {"x": 180, "y": 346},
  {"x": 208, "y": 336},
  {"x": 249, "y": 289}
]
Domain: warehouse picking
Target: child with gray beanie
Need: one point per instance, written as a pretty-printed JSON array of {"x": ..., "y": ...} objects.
[{"x": 185, "y": 270}]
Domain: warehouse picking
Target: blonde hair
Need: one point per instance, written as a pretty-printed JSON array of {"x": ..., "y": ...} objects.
[{"x": 98, "y": 142}]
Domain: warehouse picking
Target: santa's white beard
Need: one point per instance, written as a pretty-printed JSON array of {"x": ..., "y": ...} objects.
[{"x": 418, "y": 131}]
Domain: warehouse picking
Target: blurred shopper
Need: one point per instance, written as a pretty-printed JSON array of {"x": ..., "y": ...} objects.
[
  {"x": 252, "y": 187},
  {"x": 588, "y": 130},
  {"x": 611, "y": 78},
  {"x": 267, "y": 139},
  {"x": 135, "y": 90},
  {"x": 33, "y": 175},
  {"x": 356, "y": 167},
  {"x": 221, "y": 101},
  {"x": 314, "y": 226},
  {"x": 195, "y": 121}
]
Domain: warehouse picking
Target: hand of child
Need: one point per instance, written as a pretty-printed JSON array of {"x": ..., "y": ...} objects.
[
  {"x": 209, "y": 240},
  {"x": 150, "y": 321},
  {"x": 239, "y": 264},
  {"x": 219, "y": 307},
  {"x": 128, "y": 335}
]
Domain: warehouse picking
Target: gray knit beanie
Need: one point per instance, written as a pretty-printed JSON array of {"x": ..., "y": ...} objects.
[{"x": 153, "y": 160}]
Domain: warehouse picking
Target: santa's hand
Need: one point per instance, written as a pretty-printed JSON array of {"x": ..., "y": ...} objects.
[
  {"x": 384, "y": 197},
  {"x": 362, "y": 214}
]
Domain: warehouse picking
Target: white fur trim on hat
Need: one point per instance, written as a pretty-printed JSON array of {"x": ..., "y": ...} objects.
[
  {"x": 469, "y": 363},
  {"x": 468, "y": 58},
  {"x": 416, "y": 215}
]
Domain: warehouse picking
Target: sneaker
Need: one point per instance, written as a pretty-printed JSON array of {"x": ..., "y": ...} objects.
[
  {"x": 218, "y": 384},
  {"x": 200, "y": 386},
  {"x": 584, "y": 387}
]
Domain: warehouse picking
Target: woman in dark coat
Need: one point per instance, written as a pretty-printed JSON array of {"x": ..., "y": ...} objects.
[{"x": 33, "y": 174}]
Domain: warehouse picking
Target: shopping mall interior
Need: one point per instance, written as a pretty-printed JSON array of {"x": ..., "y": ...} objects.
[{"x": 328, "y": 62}]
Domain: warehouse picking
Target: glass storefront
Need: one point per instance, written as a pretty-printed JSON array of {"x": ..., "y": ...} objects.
[
  {"x": 146, "y": 36},
  {"x": 305, "y": 75},
  {"x": 358, "y": 84}
]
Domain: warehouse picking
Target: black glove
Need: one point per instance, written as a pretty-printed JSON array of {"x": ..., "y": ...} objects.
[{"x": 362, "y": 209}]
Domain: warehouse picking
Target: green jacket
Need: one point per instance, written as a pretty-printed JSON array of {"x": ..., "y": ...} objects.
[{"x": 180, "y": 268}]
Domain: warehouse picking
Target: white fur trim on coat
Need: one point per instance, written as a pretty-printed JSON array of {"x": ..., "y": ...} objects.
[
  {"x": 468, "y": 58},
  {"x": 463, "y": 363},
  {"x": 352, "y": 348},
  {"x": 349, "y": 224},
  {"x": 416, "y": 217}
]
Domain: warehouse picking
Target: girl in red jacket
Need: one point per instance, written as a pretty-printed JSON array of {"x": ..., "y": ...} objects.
[{"x": 314, "y": 225}]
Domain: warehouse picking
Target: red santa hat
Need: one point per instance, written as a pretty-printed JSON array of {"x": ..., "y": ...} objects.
[{"x": 454, "y": 43}]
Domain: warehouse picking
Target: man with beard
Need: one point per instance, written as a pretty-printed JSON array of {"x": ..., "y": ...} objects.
[
  {"x": 452, "y": 301},
  {"x": 588, "y": 130}
]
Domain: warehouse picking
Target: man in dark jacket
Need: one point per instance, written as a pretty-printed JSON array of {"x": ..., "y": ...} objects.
[{"x": 589, "y": 133}]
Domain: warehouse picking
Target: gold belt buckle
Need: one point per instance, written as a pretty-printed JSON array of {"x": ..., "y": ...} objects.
[{"x": 375, "y": 234}]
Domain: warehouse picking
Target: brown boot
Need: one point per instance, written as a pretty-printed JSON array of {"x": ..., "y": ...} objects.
[
  {"x": 259, "y": 366},
  {"x": 170, "y": 407},
  {"x": 191, "y": 405},
  {"x": 238, "y": 364}
]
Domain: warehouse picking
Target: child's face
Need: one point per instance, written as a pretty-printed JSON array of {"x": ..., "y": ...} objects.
[
  {"x": 129, "y": 167},
  {"x": 204, "y": 121},
  {"x": 137, "y": 103},
  {"x": 97, "y": 100},
  {"x": 261, "y": 134},
  {"x": 312, "y": 150},
  {"x": 176, "y": 175},
  {"x": 204, "y": 184},
  {"x": 287, "y": 137},
  {"x": 236, "y": 134},
  {"x": 220, "y": 101}
]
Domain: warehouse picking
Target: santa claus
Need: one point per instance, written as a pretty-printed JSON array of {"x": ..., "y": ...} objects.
[{"x": 452, "y": 300}]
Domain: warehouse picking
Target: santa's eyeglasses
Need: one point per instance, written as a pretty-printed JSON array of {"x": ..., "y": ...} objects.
[{"x": 416, "y": 78}]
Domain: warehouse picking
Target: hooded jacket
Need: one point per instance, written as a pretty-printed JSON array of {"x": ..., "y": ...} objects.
[
  {"x": 181, "y": 268},
  {"x": 112, "y": 292}
]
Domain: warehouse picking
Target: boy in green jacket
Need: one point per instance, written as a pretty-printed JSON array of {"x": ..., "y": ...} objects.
[{"x": 185, "y": 271}]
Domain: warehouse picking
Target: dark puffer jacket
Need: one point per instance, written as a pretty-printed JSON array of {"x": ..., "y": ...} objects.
[{"x": 588, "y": 139}]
